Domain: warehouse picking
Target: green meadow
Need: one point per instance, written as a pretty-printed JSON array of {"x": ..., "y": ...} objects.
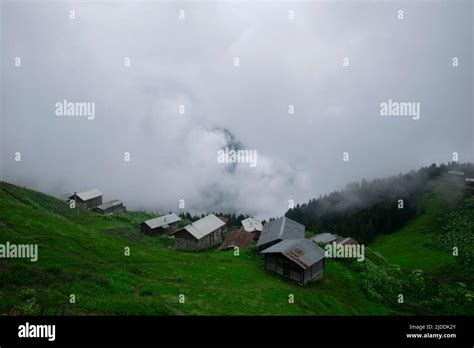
[
  {"x": 84, "y": 254},
  {"x": 409, "y": 247}
]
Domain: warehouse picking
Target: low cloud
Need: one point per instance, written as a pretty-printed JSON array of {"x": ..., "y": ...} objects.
[{"x": 182, "y": 99}]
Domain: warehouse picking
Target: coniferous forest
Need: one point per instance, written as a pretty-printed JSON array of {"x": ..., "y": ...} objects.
[{"x": 366, "y": 209}]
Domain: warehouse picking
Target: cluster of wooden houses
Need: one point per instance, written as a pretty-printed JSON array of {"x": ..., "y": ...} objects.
[
  {"x": 282, "y": 241},
  {"x": 92, "y": 200}
]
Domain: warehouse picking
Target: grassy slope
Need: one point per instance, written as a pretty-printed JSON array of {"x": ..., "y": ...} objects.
[
  {"x": 409, "y": 247},
  {"x": 83, "y": 254}
]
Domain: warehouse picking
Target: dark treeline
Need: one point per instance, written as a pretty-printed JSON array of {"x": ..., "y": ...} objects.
[
  {"x": 365, "y": 209},
  {"x": 234, "y": 220}
]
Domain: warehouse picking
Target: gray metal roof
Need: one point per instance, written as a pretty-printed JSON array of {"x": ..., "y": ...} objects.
[
  {"x": 302, "y": 251},
  {"x": 455, "y": 172},
  {"x": 324, "y": 238},
  {"x": 204, "y": 226},
  {"x": 347, "y": 240},
  {"x": 110, "y": 204},
  {"x": 282, "y": 228},
  {"x": 86, "y": 195},
  {"x": 163, "y": 221}
]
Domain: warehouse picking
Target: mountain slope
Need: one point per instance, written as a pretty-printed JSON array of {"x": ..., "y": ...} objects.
[
  {"x": 410, "y": 246},
  {"x": 82, "y": 253}
]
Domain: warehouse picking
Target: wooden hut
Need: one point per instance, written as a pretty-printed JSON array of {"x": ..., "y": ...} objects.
[
  {"x": 88, "y": 199},
  {"x": 166, "y": 224},
  {"x": 110, "y": 207},
  {"x": 297, "y": 259},
  {"x": 201, "y": 234},
  {"x": 324, "y": 238}
]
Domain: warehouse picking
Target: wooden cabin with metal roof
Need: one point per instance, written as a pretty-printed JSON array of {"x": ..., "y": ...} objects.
[
  {"x": 111, "y": 207},
  {"x": 324, "y": 238},
  {"x": 88, "y": 199},
  {"x": 300, "y": 260},
  {"x": 166, "y": 224},
  {"x": 201, "y": 234}
]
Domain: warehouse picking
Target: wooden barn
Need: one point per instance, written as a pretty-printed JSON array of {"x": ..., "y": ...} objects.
[
  {"x": 110, "y": 207},
  {"x": 253, "y": 226},
  {"x": 88, "y": 199},
  {"x": 297, "y": 259},
  {"x": 277, "y": 230},
  {"x": 201, "y": 234},
  {"x": 166, "y": 224},
  {"x": 324, "y": 238},
  {"x": 237, "y": 238}
]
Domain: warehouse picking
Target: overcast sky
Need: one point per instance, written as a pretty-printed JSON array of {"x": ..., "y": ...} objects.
[{"x": 190, "y": 62}]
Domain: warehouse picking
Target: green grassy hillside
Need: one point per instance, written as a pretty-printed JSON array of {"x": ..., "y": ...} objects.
[
  {"x": 437, "y": 245},
  {"x": 412, "y": 246},
  {"x": 82, "y": 253}
]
